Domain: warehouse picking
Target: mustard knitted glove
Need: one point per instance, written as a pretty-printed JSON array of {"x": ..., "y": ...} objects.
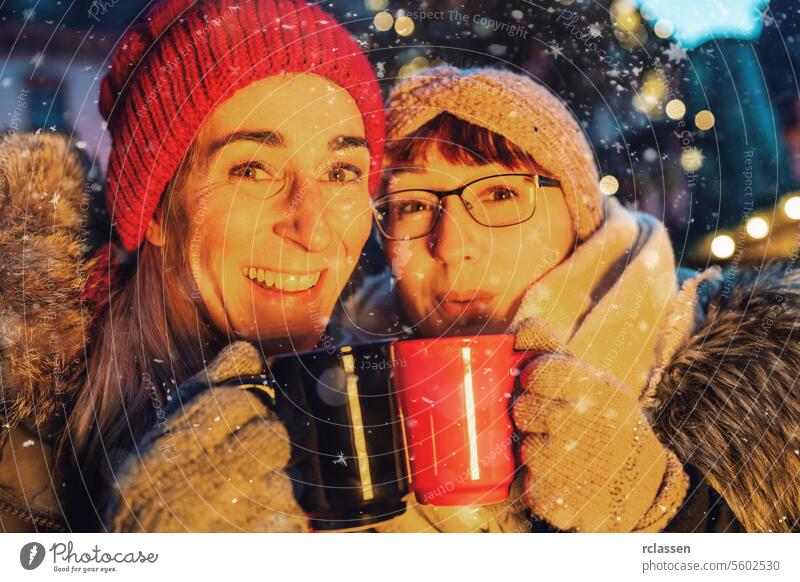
[
  {"x": 213, "y": 465},
  {"x": 592, "y": 462}
]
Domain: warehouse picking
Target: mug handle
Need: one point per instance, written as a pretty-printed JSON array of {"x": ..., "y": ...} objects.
[
  {"x": 263, "y": 385},
  {"x": 521, "y": 358}
]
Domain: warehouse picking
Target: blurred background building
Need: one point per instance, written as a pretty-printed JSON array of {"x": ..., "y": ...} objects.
[{"x": 692, "y": 106}]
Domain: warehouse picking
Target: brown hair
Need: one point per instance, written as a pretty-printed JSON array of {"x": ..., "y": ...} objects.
[
  {"x": 152, "y": 337},
  {"x": 449, "y": 136}
]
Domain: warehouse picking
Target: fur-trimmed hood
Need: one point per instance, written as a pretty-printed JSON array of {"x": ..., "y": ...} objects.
[
  {"x": 729, "y": 401},
  {"x": 44, "y": 208}
]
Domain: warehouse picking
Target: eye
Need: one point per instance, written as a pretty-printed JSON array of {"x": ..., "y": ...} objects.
[
  {"x": 254, "y": 171},
  {"x": 407, "y": 207},
  {"x": 500, "y": 195},
  {"x": 344, "y": 173}
]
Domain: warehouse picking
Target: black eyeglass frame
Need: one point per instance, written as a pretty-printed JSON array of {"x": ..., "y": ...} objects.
[{"x": 541, "y": 182}]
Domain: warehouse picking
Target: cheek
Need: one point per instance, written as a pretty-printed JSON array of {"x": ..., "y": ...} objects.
[
  {"x": 519, "y": 257},
  {"x": 410, "y": 262},
  {"x": 224, "y": 236}
]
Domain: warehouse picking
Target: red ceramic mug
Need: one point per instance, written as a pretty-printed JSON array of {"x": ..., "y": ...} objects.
[{"x": 454, "y": 395}]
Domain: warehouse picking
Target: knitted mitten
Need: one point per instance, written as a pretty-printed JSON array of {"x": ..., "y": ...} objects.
[
  {"x": 214, "y": 464},
  {"x": 592, "y": 461}
]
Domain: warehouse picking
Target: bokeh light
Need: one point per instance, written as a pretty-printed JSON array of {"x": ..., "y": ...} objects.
[
  {"x": 792, "y": 207},
  {"x": 404, "y": 26},
  {"x": 692, "y": 159},
  {"x": 383, "y": 21},
  {"x": 376, "y": 5},
  {"x": 675, "y": 109},
  {"x": 609, "y": 185},
  {"x": 723, "y": 246},
  {"x": 704, "y": 120},
  {"x": 757, "y": 227}
]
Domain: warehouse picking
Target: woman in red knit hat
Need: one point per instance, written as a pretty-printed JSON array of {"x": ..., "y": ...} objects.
[{"x": 246, "y": 137}]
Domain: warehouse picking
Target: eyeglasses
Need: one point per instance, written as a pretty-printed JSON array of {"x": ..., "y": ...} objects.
[{"x": 493, "y": 201}]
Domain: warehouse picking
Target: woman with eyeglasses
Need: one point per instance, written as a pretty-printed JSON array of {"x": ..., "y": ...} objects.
[{"x": 493, "y": 222}]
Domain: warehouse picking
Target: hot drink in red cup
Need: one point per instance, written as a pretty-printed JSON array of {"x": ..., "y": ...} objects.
[{"x": 454, "y": 396}]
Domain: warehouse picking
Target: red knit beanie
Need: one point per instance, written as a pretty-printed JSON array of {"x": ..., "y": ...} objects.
[{"x": 172, "y": 70}]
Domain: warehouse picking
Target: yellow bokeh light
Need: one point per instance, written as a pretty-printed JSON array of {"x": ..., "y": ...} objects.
[
  {"x": 757, "y": 227},
  {"x": 376, "y": 4},
  {"x": 625, "y": 16},
  {"x": 654, "y": 85},
  {"x": 609, "y": 185},
  {"x": 404, "y": 26},
  {"x": 692, "y": 159},
  {"x": 653, "y": 91},
  {"x": 704, "y": 120},
  {"x": 723, "y": 246},
  {"x": 792, "y": 207},
  {"x": 675, "y": 109},
  {"x": 383, "y": 21}
]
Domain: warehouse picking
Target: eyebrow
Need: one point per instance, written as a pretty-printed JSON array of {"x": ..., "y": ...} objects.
[
  {"x": 346, "y": 142},
  {"x": 267, "y": 138},
  {"x": 407, "y": 170},
  {"x": 274, "y": 139}
]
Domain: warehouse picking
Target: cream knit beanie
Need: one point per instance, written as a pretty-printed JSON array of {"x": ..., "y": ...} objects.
[{"x": 517, "y": 108}]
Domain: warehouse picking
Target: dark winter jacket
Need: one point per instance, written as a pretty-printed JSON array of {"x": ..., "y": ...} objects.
[{"x": 728, "y": 404}]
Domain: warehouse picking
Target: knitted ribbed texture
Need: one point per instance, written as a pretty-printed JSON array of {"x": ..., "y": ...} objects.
[
  {"x": 608, "y": 319},
  {"x": 593, "y": 462},
  {"x": 611, "y": 302},
  {"x": 517, "y": 108},
  {"x": 214, "y": 465},
  {"x": 186, "y": 58}
]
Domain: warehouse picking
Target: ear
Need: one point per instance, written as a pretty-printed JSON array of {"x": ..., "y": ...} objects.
[{"x": 155, "y": 233}]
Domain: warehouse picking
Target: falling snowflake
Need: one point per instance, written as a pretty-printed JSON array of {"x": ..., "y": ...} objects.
[
  {"x": 380, "y": 69},
  {"x": 556, "y": 50},
  {"x": 37, "y": 60},
  {"x": 675, "y": 53},
  {"x": 595, "y": 29},
  {"x": 28, "y": 443},
  {"x": 340, "y": 460}
]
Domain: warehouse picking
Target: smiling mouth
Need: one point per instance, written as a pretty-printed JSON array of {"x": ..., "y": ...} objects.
[{"x": 288, "y": 282}]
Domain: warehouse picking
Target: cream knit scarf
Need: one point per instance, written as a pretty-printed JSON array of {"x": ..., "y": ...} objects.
[{"x": 614, "y": 303}]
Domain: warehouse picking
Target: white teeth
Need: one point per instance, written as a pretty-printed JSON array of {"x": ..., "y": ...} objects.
[{"x": 288, "y": 282}]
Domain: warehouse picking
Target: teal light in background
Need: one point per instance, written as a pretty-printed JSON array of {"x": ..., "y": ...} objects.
[{"x": 696, "y": 21}]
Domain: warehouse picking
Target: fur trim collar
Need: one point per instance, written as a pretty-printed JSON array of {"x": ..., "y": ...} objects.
[
  {"x": 43, "y": 213},
  {"x": 728, "y": 401}
]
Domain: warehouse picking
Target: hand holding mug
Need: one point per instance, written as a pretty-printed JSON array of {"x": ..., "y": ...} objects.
[{"x": 592, "y": 461}]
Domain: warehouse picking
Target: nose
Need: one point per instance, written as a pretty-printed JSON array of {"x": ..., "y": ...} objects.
[
  {"x": 455, "y": 238},
  {"x": 304, "y": 221}
]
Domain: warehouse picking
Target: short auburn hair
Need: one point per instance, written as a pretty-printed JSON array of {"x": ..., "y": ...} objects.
[{"x": 458, "y": 142}]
